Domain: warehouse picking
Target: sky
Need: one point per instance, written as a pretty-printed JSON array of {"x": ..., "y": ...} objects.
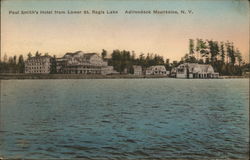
[{"x": 164, "y": 34}]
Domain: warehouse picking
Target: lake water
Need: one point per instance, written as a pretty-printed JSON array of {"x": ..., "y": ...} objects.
[{"x": 125, "y": 118}]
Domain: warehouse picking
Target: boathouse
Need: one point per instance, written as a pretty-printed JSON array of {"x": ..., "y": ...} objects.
[{"x": 195, "y": 70}]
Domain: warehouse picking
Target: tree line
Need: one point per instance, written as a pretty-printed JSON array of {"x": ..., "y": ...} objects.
[
  {"x": 123, "y": 60},
  {"x": 223, "y": 56},
  {"x": 12, "y": 64}
]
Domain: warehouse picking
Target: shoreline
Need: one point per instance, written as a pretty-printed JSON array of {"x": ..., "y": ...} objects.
[
  {"x": 75, "y": 76},
  {"x": 7, "y": 76}
]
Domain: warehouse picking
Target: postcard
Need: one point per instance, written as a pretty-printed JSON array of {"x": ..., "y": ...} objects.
[{"x": 116, "y": 79}]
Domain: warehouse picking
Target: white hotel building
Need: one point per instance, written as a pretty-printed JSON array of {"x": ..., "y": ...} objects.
[
  {"x": 83, "y": 63},
  {"x": 38, "y": 65}
]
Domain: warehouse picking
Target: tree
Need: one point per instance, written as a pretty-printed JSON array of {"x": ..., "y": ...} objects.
[
  {"x": 158, "y": 60},
  {"x": 230, "y": 52},
  {"x": 116, "y": 60},
  {"x": 21, "y": 64},
  {"x": 142, "y": 60},
  {"x": 29, "y": 55},
  {"x": 198, "y": 47},
  {"x": 232, "y": 55},
  {"x": 10, "y": 61},
  {"x": 14, "y": 59},
  {"x": 104, "y": 54},
  {"x": 167, "y": 64},
  {"x": 174, "y": 64},
  {"x": 37, "y": 54},
  {"x": 238, "y": 56},
  {"x": 5, "y": 58},
  {"x": 191, "y": 47},
  {"x": 189, "y": 59},
  {"x": 133, "y": 56},
  {"x": 222, "y": 52},
  {"x": 53, "y": 65},
  {"x": 201, "y": 48},
  {"x": 214, "y": 50},
  {"x": 20, "y": 59}
]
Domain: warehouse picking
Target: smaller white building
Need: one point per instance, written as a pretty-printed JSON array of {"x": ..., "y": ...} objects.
[
  {"x": 157, "y": 70},
  {"x": 38, "y": 65},
  {"x": 137, "y": 70}
]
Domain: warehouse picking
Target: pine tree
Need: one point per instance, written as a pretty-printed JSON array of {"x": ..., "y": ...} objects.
[
  {"x": 191, "y": 47},
  {"x": 222, "y": 52}
]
